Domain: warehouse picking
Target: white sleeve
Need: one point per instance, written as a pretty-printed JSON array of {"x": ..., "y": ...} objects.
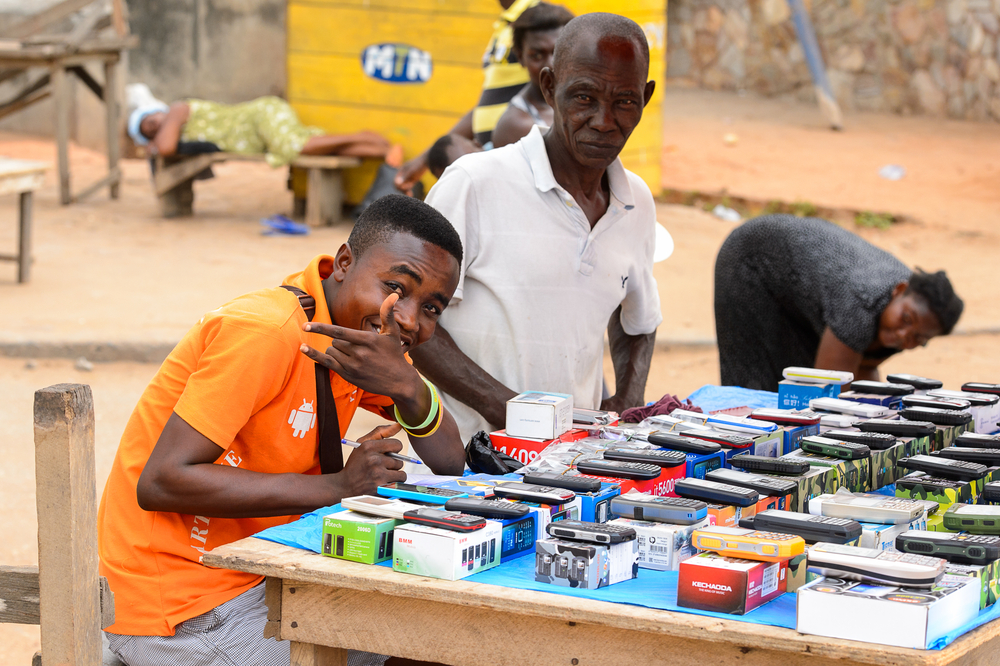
[
  {"x": 454, "y": 196},
  {"x": 641, "y": 307}
]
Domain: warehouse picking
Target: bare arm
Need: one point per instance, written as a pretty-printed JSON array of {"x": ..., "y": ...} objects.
[
  {"x": 631, "y": 356},
  {"x": 513, "y": 125},
  {"x": 411, "y": 172},
  {"x": 169, "y": 134},
  {"x": 440, "y": 360},
  {"x": 835, "y": 355}
]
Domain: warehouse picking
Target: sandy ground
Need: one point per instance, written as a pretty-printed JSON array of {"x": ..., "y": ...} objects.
[{"x": 115, "y": 272}]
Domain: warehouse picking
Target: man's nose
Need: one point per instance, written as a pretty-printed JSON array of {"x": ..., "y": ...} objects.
[
  {"x": 405, "y": 313},
  {"x": 603, "y": 120}
]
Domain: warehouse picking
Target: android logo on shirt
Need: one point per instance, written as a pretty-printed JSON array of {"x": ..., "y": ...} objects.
[{"x": 302, "y": 419}]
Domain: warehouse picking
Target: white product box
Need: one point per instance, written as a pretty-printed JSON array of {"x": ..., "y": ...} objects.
[
  {"x": 440, "y": 553},
  {"x": 662, "y": 546},
  {"x": 539, "y": 415},
  {"x": 883, "y": 537},
  {"x": 905, "y": 617}
]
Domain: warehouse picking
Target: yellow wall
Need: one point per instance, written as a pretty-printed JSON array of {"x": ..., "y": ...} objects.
[{"x": 329, "y": 88}]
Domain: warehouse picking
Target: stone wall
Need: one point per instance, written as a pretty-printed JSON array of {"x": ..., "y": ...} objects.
[{"x": 936, "y": 57}]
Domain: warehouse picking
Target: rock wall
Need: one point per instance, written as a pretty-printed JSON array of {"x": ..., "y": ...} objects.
[{"x": 936, "y": 57}]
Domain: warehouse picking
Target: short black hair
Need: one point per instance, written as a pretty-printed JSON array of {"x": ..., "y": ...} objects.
[
  {"x": 599, "y": 25},
  {"x": 437, "y": 156},
  {"x": 936, "y": 290},
  {"x": 398, "y": 214},
  {"x": 540, "y": 18}
]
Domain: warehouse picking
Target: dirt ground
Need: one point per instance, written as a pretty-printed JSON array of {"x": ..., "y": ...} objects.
[{"x": 114, "y": 272}]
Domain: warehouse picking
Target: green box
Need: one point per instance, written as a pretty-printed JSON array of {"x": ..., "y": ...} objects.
[
  {"x": 918, "y": 445},
  {"x": 883, "y": 465},
  {"x": 920, "y": 485},
  {"x": 945, "y": 435},
  {"x": 988, "y": 575},
  {"x": 817, "y": 481},
  {"x": 348, "y": 535},
  {"x": 855, "y": 475}
]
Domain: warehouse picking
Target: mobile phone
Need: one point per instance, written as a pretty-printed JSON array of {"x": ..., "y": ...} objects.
[
  {"x": 936, "y": 416},
  {"x": 935, "y": 403},
  {"x": 764, "y": 485},
  {"x": 811, "y": 528},
  {"x": 378, "y": 506},
  {"x": 866, "y": 509},
  {"x": 849, "y": 407},
  {"x": 419, "y": 493},
  {"x": 977, "y": 399},
  {"x": 748, "y": 544},
  {"x": 817, "y": 376},
  {"x": 619, "y": 469},
  {"x": 916, "y": 381},
  {"x": 957, "y": 548},
  {"x": 676, "y": 510},
  {"x": 768, "y": 465},
  {"x": 981, "y": 387},
  {"x": 873, "y": 440},
  {"x": 988, "y": 457},
  {"x": 449, "y": 520},
  {"x": 715, "y": 493},
  {"x": 898, "y": 427},
  {"x": 678, "y": 443},
  {"x": 991, "y": 492},
  {"x": 881, "y": 388},
  {"x": 592, "y": 416},
  {"x": 975, "y": 518},
  {"x": 578, "y": 530},
  {"x": 789, "y": 417},
  {"x": 878, "y": 566},
  {"x": 494, "y": 509},
  {"x": 729, "y": 440},
  {"x": 661, "y": 457},
  {"x": 949, "y": 469},
  {"x": 725, "y": 422},
  {"x": 577, "y": 484},
  {"x": 825, "y": 446},
  {"x": 531, "y": 493},
  {"x": 977, "y": 440}
]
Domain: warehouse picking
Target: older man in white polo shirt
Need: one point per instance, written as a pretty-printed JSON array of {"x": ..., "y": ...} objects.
[{"x": 558, "y": 241}]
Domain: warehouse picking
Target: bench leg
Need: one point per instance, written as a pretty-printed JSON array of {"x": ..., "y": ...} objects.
[
  {"x": 306, "y": 654},
  {"x": 24, "y": 239},
  {"x": 325, "y": 198},
  {"x": 112, "y": 109},
  {"x": 178, "y": 202},
  {"x": 61, "y": 92}
]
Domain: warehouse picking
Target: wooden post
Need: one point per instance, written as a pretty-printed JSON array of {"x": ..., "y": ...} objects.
[
  {"x": 24, "y": 238},
  {"x": 306, "y": 654},
  {"x": 112, "y": 107},
  {"x": 66, "y": 489},
  {"x": 60, "y": 88},
  {"x": 325, "y": 197}
]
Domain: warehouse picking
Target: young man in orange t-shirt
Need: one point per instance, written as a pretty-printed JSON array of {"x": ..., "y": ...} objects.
[{"x": 223, "y": 442}]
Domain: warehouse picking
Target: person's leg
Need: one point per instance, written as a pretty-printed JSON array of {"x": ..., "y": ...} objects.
[{"x": 359, "y": 144}]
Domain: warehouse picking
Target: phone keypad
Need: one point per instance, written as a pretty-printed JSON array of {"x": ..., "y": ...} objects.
[
  {"x": 677, "y": 501},
  {"x": 651, "y": 453},
  {"x": 773, "y": 536},
  {"x": 464, "y": 518},
  {"x": 909, "y": 558}
]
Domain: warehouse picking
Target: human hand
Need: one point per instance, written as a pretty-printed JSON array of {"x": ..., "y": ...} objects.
[
  {"x": 410, "y": 173},
  {"x": 368, "y": 467},
  {"x": 615, "y": 404}
]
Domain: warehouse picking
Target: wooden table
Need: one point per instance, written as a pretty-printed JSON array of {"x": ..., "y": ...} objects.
[
  {"x": 21, "y": 177},
  {"x": 325, "y": 606}
]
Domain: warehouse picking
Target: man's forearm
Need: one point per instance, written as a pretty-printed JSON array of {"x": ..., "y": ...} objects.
[
  {"x": 440, "y": 360},
  {"x": 631, "y": 356}
]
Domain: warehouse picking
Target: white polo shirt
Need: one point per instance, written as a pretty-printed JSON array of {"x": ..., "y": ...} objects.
[{"x": 538, "y": 285}]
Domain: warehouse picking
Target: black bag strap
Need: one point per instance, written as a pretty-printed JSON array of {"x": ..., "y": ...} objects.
[{"x": 331, "y": 456}]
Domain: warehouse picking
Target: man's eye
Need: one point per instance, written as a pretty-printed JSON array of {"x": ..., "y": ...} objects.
[
  {"x": 433, "y": 309},
  {"x": 394, "y": 286}
]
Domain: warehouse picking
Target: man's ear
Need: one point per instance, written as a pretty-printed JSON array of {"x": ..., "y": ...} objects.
[
  {"x": 342, "y": 262},
  {"x": 899, "y": 289},
  {"x": 547, "y": 82},
  {"x": 647, "y": 94}
]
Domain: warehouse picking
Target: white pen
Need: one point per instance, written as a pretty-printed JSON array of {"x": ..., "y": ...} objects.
[{"x": 351, "y": 443}]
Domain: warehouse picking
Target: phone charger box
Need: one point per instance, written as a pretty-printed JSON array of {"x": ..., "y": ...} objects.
[
  {"x": 699, "y": 464},
  {"x": 358, "y": 537},
  {"x": 988, "y": 576},
  {"x": 796, "y": 395},
  {"x": 526, "y": 449},
  {"x": 662, "y": 546},
  {"x": 713, "y": 582},
  {"x": 855, "y": 475},
  {"x": 817, "y": 481},
  {"x": 446, "y": 554},
  {"x": 596, "y": 507},
  {"x": 922, "y": 486},
  {"x": 661, "y": 486},
  {"x": 583, "y": 565},
  {"x": 903, "y": 617},
  {"x": 792, "y": 435},
  {"x": 518, "y": 535},
  {"x": 539, "y": 415},
  {"x": 890, "y": 401}
]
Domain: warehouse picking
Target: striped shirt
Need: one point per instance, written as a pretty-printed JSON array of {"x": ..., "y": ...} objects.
[{"x": 504, "y": 76}]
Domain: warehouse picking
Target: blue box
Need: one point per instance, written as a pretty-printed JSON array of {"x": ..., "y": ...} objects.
[
  {"x": 796, "y": 395},
  {"x": 890, "y": 401},
  {"x": 794, "y": 434},
  {"x": 518, "y": 536},
  {"x": 596, "y": 507},
  {"x": 698, "y": 464}
]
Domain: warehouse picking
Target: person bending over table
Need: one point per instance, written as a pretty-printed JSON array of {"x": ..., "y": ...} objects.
[
  {"x": 804, "y": 292},
  {"x": 223, "y": 442},
  {"x": 559, "y": 248},
  {"x": 535, "y": 34}
]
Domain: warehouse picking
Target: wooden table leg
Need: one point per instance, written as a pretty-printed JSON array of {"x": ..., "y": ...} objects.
[
  {"x": 112, "y": 108},
  {"x": 24, "y": 239},
  {"x": 307, "y": 654},
  {"x": 325, "y": 197},
  {"x": 60, "y": 88}
]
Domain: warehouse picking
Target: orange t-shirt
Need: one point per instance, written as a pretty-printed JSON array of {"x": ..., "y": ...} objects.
[{"x": 238, "y": 378}]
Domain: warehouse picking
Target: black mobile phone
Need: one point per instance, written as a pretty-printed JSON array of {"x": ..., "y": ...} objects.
[
  {"x": 494, "y": 509},
  {"x": 527, "y": 492},
  {"x": 714, "y": 492},
  {"x": 668, "y": 440},
  {"x": 898, "y": 427},
  {"x": 977, "y": 440},
  {"x": 936, "y": 416},
  {"x": 769, "y": 465},
  {"x": 879, "y": 441},
  {"x": 949, "y": 469},
  {"x": 880, "y": 388},
  {"x": 764, "y": 485},
  {"x": 916, "y": 381},
  {"x": 727, "y": 439},
  {"x": 935, "y": 403},
  {"x": 619, "y": 469},
  {"x": 811, "y": 528},
  {"x": 788, "y": 417},
  {"x": 661, "y": 457},
  {"x": 578, "y": 530},
  {"x": 981, "y": 387},
  {"x": 988, "y": 457},
  {"x": 991, "y": 492},
  {"x": 577, "y": 484},
  {"x": 958, "y": 548},
  {"x": 449, "y": 520}
]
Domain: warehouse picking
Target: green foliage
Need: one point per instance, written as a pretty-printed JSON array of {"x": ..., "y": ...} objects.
[{"x": 871, "y": 220}]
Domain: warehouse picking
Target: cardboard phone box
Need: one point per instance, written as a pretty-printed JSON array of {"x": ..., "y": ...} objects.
[
  {"x": 539, "y": 415},
  {"x": 358, "y": 537},
  {"x": 439, "y": 553},
  {"x": 585, "y": 565},
  {"x": 712, "y": 582},
  {"x": 920, "y": 485},
  {"x": 663, "y": 485},
  {"x": 987, "y": 574},
  {"x": 904, "y": 617},
  {"x": 792, "y": 435},
  {"x": 526, "y": 449},
  {"x": 855, "y": 475},
  {"x": 884, "y": 465},
  {"x": 796, "y": 395},
  {"x": 699, "y": 464},
  {"x": 798, "y": 572},
  {"x": 765, "y": 444},
  {"x": 945, "y": 435},
  {"x": 518, "y": 535},
  {"x": 883, "y": 537},
  {"x": 551, "y": 513},
  {"x": 596, "y": 507},
  {"x": 817, "y": 481},
  {"x": 724, "y": 515},
  {"x": 662, "y": 546}
]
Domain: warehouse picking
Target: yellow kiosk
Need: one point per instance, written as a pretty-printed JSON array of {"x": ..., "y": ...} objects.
[{"x": 410, "y": 69}]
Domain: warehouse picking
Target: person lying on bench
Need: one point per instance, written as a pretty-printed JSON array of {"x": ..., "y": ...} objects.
[
  {"x": 267, "y": 125},
  {"x": 230, "y": 436}
]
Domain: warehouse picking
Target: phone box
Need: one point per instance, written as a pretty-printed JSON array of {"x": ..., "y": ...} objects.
[
  {"x": 721, "y": 584},
  {"x": 917, "y": 445},
  {"x": 945, "y": 435},
  {"x": 798, "y": 571},
  {"x": 883, "y": 537},
  {"x": 904, "y": 617},
  {"x": 476, "y": 485},
  {"x": 699, "y": 464},
  {"x": 663, "y": 485},
  {"x": 988, "y": 576},
  {"x": 855, "y": 475},
  {"x": 539, "y": 415},
  {"x": 884, "y": 465},
  {"x": 551, "y": 513},
  {"x": 920, "y": 485},
  {"x": 724, "y": 515},
  {"x": 792, "y": 435},
  {"x": 518, "y": 535},
  {"x": 439, "y": 553},
  {"x": 764, "y": 503},
  {"x": 526, "y": 449},
  {"x": 662, "y": 546},
  {"x": 766, "y": 444},
  {"x": 796, "y": 395},
  {"x": 596, "y": 507},
  {"x": 817, "y": 481},
  {"x": 890, "y": 401},
  {"x": 585, "y": 565},
  {"x": 358, "y": 537}
]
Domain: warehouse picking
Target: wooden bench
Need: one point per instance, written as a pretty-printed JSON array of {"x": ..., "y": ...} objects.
[
  {"x": 174, "y": 178},
  {"x": 21, "y": 177},
  {"x": 64, "y": 593}
]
